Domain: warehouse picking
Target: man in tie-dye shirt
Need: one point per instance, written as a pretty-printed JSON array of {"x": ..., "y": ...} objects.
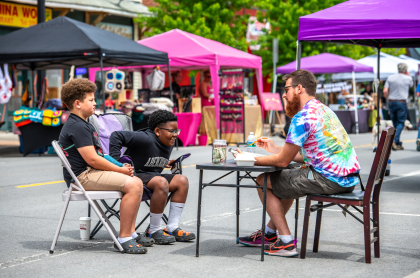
[{"x": 317, "y": 139}]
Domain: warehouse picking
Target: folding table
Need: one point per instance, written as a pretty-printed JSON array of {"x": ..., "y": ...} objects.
[{"x": 231, "y": 167}]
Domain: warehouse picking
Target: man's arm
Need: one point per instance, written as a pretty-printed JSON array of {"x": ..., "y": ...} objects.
[
  {"x": 386, "y": 92},
  {"x": 288, "y": 153},
  {"x": 118, "y": 140},
  {"x": 98, "y": 162}
]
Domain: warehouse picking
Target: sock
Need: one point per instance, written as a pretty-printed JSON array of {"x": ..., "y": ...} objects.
[
  {"x": 134, "y": 235},
  {"x": 286, "y": 239},
  {"x": 155, "y": 219},
  {"x": 269, "y": 230},
  {"x": 124, "y": 239},
  {"x": 174, "y": 216}
]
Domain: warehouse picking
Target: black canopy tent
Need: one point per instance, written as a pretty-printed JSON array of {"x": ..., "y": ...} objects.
[{"x": 63, "y": 42}]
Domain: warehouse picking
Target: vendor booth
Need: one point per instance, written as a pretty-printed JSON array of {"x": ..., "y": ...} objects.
[
  {"x": 327, "y": 63},
  {"x": 224, "y": 119},
  {"x": 379, "y": 24},
  {"x": 59, "y": 44}
]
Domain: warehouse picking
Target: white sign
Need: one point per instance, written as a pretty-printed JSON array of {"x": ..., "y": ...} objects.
[{"x": 119, "y": 29}]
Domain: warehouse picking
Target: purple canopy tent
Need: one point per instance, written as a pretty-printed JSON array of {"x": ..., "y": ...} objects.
[
  {"x": 326, "y": 63},
  {"x": 380, "y": 24},
  {"x": 329, "y": 63}
]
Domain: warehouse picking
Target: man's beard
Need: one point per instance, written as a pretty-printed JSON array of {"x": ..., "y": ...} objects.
[{"x": 292, "y": 107}]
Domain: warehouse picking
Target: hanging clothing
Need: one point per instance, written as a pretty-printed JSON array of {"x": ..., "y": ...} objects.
[{"x": 156, "y": 80}]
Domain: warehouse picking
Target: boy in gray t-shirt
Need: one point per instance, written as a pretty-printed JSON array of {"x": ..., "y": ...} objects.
[{"x": 396, "y": 90}]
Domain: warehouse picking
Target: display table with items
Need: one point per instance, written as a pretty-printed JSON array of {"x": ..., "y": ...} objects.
[
  {"x": 38, "y": 128},
  {"x": 347, "y": 119},
  {"x": 253, "y": 123}
]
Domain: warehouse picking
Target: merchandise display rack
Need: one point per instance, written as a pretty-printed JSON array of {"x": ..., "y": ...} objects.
[{"x": 232, "y": 106}]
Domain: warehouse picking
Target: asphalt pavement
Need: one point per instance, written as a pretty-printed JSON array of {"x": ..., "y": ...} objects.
[{"x": 30, "y": 207}]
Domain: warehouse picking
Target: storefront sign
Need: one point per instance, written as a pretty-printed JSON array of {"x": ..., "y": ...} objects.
[
  {"x": 23, "y": 16},
  {"x": 122, "y": 30}
]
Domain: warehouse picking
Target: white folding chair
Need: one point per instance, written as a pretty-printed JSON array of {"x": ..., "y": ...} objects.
[{"x": 81, "y": 195}]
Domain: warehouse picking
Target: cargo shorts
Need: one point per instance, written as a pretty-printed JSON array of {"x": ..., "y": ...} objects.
[
  {"x": 98, "y": 180},
  {"x": 294, "y": 183}
]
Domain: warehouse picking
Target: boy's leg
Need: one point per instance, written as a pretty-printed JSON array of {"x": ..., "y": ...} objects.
[
  {"x": 179, "y": 187},
  {"x": 130, "y": 203},
  {"x": 160, "y": 187}
]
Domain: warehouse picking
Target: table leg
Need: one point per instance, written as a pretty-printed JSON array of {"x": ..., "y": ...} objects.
[
  {"x": 237, "y": 206},
  {"x": 263, "y": 218},
  {"x": 200, "y": 189}
]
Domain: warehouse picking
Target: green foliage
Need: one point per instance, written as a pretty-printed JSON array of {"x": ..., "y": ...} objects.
[
  {"x": 284, "y": 19},
  {"x": 212, "y": 19}
]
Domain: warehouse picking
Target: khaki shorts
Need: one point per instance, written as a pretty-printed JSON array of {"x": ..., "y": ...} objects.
[
  {"x": 294, "y": 183},
  {"x": 98, "y": 180}
]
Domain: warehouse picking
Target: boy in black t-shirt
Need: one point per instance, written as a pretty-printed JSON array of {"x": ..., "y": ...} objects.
[
  {"x": 150, "y": 149},
  {"x": 81, "y": 146}
]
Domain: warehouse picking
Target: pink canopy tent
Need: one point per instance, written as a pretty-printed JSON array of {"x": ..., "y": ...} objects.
[{"x": 188, "y": 51}]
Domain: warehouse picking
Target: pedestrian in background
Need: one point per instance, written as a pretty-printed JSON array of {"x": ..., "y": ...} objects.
[{"x": 396, "y": 91}]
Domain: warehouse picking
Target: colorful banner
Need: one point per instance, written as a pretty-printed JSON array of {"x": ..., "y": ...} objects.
[{"x": 23, "y": 16}]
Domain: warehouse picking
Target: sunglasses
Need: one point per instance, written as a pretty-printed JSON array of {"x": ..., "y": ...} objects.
[{"x": 286, "y": 88}]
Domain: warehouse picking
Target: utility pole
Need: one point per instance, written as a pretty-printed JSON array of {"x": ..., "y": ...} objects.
[{"x": 41, "y": 73}]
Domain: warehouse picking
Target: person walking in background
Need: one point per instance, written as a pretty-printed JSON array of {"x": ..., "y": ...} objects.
[
  {"x": 418, "y": 124},
  {"x": 396, "y": 91}
]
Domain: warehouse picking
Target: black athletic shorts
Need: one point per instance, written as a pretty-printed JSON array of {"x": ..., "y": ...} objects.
[{"x": 146, "y": 177}]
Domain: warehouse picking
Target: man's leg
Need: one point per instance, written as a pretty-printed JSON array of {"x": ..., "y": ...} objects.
[
  {"x": 418, "y": 138},
  {"x": 392, "y": 110},
  {"x": 179, "y": 187},
  {"x": 276, "y": 208},
  {"x": 401, "y": 116}
]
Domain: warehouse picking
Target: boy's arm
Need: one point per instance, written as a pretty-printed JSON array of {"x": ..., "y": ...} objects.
[
  {"x": 118, "y": 140},
  {"x": 98, "y": 162}
]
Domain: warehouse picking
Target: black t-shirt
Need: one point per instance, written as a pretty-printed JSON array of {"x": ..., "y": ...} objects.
[
  {"x": 77, "y": 133},
  {"x": 146, "y": 151}
]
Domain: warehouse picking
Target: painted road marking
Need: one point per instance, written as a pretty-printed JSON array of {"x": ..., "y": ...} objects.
[
  {"x": 52, "y": 182},
  {"x": 38, "y": 184}
]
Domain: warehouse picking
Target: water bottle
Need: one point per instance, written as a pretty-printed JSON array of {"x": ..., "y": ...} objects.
[
  {"x": 388, "y": 168},
  {"x": 250, "y": 145}
]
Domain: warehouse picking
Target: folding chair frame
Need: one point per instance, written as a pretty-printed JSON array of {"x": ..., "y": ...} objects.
[
  {"x": 93, "y": 203},
  {"x": 110, "y": 211}
]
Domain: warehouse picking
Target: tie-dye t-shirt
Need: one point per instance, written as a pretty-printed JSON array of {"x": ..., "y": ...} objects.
[{"x": 325, "y": 143}]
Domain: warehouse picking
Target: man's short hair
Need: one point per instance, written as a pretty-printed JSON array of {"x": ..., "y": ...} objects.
[
  {"x": 175, "y": 74},
  {"x": 402, "y": 67},
  {"x": 161, "y": 117},
  {"x": 76, "y": 89},
  {"x": 304, "y": 78}
]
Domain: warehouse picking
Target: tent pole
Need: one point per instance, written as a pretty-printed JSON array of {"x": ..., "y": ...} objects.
[
  {"x": 103, "y": 83},
  {"x": 298, "y": 54},
  {"x": 33, "y": 88},
  {"x": 378, "y": 118},
  {"x": 355, "y": 102},
  {"x": 170, "y": 83}
]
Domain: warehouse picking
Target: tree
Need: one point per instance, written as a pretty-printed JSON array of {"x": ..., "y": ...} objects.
[
  {"x": 284, "y": 20},
  {"x": 213, "y": 19}
]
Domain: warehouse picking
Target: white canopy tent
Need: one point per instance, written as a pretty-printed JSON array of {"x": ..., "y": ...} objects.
[{"x": 389, "y": 66}]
